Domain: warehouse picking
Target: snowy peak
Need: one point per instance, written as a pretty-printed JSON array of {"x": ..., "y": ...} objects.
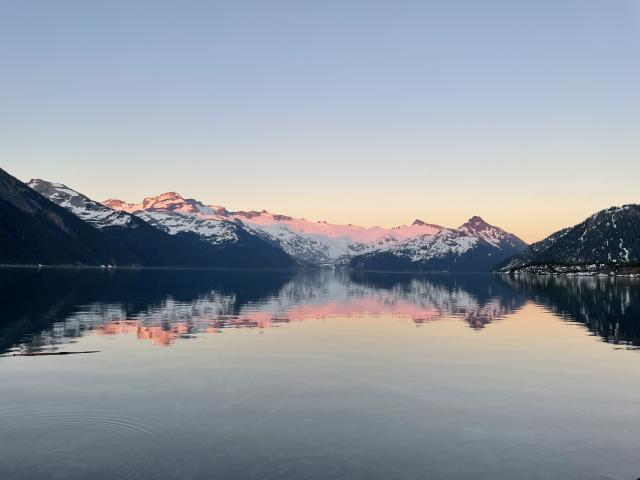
[
  {"x": 316, "y": 242},
  {"x": 98, "y": 215},
  {"x": 174, "y": 214},
  {"x": 168, "y": 201},
  {"x": 476, "y": 226},
  {"x": 155, "y": 237},
  {"x": 118, "y": 205},
  {"x": 476, "y": 222},
  {"x": 474, "y": 246}
]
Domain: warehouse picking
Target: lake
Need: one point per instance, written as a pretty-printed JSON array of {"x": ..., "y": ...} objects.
[{"x": 317, "y": 375}]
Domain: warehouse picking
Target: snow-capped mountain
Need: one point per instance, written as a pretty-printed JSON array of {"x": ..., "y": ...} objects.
[
  {"x": 34, "y": 230},
  {"x": 321, "y": 243},
  {"x": 328, "y": 244},
  {"x": 317, "y": 243},
  {"x": 88, "y": 210},
  {"x": 609, "y": 238},
  {"x": 163, "y": 235},
  {"x": 474, "y": 246},
  {"x": 477, "y": 227},
  {"x": 174, "y": 214}
]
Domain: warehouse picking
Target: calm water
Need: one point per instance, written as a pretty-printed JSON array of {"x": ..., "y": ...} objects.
[{"x": 317, "y": 375}]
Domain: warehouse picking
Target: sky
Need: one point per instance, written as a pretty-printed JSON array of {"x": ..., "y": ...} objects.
[{"x": 364, "y": 112}]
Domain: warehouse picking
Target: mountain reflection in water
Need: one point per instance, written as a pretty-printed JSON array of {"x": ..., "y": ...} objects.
[
  {"x": 608, "y": 306},
  {"x": 43, "y": 310}
]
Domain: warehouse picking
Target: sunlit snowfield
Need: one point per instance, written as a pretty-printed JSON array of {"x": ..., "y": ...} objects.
[{"x": 320, "y": 375}]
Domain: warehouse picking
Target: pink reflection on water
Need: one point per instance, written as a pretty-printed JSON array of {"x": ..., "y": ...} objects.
[{"x": 167, "y": 333}]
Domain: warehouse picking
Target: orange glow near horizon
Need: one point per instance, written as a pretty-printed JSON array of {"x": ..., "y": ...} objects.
[
  {"x": 532, "y": 226},
  {"x": 516, "y": 216}
]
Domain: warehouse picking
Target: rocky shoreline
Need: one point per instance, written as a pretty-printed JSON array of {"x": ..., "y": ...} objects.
[{"x": 593, "y": 269}]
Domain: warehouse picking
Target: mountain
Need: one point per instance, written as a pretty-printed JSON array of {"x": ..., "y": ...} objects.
[
  {"x": 325, "y": 244},
  {"x": 474, "y": 246},
  {"x": 34, "y": 230},
  {"x": 505, "y": 241},
  {"x": 154, "y": 243},
  {"x": 170, "y": 230},
  {"x": 608, "y": 239},
  {"x": 92, "y": 212},
  {"x": 173, "y": 214}
]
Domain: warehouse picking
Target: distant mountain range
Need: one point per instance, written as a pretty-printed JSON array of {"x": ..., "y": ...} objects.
[
  {"x": 178, "y": 227},
  {"x": 151, "y": 243},
  {"x": 474, "y": 246},
  {"x": 51, "y": 224},
  {"x": 608, "y": 240},
  {"x": 313, "y": 243}
]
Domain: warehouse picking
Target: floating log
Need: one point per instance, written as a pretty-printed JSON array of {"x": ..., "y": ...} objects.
[{"x": 39, "y": 354}]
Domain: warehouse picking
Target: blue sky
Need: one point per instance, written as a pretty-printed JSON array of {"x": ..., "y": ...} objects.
[{"x": 526, "y": 113}]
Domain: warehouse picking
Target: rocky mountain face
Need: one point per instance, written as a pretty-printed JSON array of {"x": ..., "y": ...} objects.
[
  {"x": 474, "y": 246},
  {"x": 34, "y": 230},
  {"x": 170, "y": 230},
  {"x": 153, "y": 242},
  {"x": 330, "y": 245},
  {"x": 608, "y": 239},
  {"x": 173, "y": 214},
  {"x": 477, "y": 227},
  {"x": 92, "y": 212},
  {"x": 315, "y": 243},
  {"x": 326, "y": 244}
]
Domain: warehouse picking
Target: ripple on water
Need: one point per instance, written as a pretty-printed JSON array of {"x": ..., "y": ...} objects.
[{"x": 55, "y": 427}]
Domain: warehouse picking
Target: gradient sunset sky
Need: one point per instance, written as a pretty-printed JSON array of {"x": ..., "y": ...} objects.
[{"x": 374, "y": 113}]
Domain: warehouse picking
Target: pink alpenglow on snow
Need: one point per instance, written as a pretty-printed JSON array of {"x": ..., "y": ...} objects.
[{"x": 317, "y": 242}]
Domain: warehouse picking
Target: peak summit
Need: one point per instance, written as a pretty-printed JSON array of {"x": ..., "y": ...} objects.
[
  {"x": 164, "y": 200},
  {"x": 476, "y": 220},
  {"x": 476, "y": 224},
  {"x": 169, "y": 196},
  {"x": 163, "y": 197}
]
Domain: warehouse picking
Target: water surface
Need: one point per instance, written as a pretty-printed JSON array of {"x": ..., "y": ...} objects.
[{"x": 318, "y": 375}]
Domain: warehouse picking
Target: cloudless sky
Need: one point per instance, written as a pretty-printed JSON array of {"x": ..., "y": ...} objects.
[{"x": 524, "y": 112}]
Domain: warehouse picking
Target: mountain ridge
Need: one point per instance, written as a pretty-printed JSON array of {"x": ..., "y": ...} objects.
[
  {"x": 608, "y": 239},
  {"x": 170, "y": 230},
  {"x": 318, "y": 243},
  {"x": 155, "y": 244},
  {"x": 475, "y": 246},
  {"x": 35, "y": 230}
]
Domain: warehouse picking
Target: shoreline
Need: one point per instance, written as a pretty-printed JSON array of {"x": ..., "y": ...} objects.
[
  {"x": 585, "y": 270},
  {"x": 112, "y": 268}
]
